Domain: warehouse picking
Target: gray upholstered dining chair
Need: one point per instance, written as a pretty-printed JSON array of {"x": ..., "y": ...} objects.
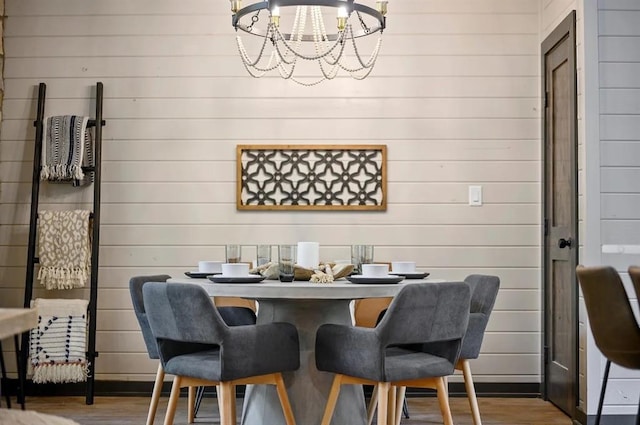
[
  {"x": 392, "y": 353},
  {"x": 614, "y": 327},
  {"x": 135, "y": 289},
  {"x": 232, "y": 316},
  {"x": 484, "y": 291},
  {"x": 198, "y": 348}
]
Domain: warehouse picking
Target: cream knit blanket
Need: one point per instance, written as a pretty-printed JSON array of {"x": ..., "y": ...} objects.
[
  {"x": 58, "y": 344},
  {"x": 64, "y": 249}
]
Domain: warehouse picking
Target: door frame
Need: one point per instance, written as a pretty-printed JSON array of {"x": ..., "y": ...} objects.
[{"x": 566, "y": 29}]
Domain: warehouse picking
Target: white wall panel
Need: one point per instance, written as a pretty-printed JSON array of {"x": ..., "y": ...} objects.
[
  {"x": 454, "y": 96},
  {"x": 619, "y": 44}
]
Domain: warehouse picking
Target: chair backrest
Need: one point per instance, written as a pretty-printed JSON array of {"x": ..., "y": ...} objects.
[
  {"x": 614, "y": 327},
  {"x": 366, "y": 312},
  {"x": 634, "y": 273},
  {"x": 135, "y": 288},
  {"x": 484, "y": 291},
  {"x": 182, "y": 313},
  {"x": 426, "y": 312},
  {"x": 237, "y": 316},
  {"x": 234, "y": 302}
]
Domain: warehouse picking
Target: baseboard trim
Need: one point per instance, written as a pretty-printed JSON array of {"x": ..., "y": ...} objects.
[
  {"x": 143, "y": 388},
  {"x": 582, "y": 419}
]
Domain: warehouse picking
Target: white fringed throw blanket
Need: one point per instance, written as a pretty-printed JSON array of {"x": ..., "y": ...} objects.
[
  {"x": 58, "y": 345},
  {"x": 64, "y": 249},
  {"x": 66, "y": 147}
]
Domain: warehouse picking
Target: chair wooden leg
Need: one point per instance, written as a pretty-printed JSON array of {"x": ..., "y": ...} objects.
[
  {"x": 191, "y": 404},
  {"x": 383, "y": 400},
  {"x": 400, "y": 400},
  {"x": 227, "y": 399},
  {"x": 443, "y": 400},
  {"x": 331, "y": 400},
  {"x": 284, "y": 400},
  {"x": 219, "y": 397},
  {"x": 155, "y": 395},
  {"x": 391, "y": 405},
  {"x": 373, "y": 403},
  {"x": 602, "y": 391},
  {"x": 173, "y": 401},
  {"x": 471, "y": 392}
]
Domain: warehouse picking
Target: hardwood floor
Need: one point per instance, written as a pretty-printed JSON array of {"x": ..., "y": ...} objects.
[{"x": 424, "y": 411}]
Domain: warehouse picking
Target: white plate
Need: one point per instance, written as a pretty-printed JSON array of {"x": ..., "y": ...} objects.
[
  {"x": 358, "y": 278},
  {"x": 236, "y": 279}
]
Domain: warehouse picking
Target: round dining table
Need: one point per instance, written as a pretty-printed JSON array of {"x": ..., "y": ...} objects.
[{"x": 307, "y": 306}]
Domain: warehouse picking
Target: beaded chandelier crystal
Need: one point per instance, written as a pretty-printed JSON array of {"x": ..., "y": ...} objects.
[{"x": 333, "y": 47}]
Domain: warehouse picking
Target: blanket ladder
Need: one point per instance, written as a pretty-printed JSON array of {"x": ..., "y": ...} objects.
[{"x": 32, "y": 259}]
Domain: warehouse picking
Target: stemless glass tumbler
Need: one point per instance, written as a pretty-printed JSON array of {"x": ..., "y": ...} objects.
[
  {"x": 233, "y": 253},
  {"x": 287, "y": 259},
  {"x": 263, "y": 255},
  {"x": 361, "y": 254}
]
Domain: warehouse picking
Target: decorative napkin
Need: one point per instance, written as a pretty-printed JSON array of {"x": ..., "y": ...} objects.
[
  {"x": 66, "y": 147},
  {"x": 64, "y": 249},
  {"x": 58, "y": 344}
]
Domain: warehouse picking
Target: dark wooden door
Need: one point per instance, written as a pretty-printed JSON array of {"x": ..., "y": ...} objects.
[{"x": 560, "y": 222}]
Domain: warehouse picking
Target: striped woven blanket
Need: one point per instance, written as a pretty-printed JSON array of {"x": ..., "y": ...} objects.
[
  {"x": 58, "y": 344},
  {"x": 66, "y": 147}
]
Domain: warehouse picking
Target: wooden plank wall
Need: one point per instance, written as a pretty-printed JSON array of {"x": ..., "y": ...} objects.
[
  {"x": 454, "y": 96},
  {"x": 619, "y": 55}
]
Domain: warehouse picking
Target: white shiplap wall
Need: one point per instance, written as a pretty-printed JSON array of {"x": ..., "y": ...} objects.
[
  {"x": 454, "y": 96},
  {"x": 619, "y": 63}
]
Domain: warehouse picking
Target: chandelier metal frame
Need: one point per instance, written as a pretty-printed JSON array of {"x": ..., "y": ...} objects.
[
  {"x": 350, "y": 6},
  {"x": 328, "y": 45}
]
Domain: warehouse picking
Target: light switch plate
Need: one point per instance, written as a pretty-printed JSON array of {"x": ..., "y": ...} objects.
[{"x": 475, "y": 195}]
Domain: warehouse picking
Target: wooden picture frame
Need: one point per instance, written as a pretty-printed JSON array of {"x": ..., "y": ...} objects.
[{"x": 311, "y": 177}]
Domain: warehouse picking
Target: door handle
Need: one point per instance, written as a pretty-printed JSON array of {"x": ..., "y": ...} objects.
[{"x": 563, "y": 243}]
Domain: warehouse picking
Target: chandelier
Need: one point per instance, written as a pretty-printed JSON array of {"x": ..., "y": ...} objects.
[{"x": 330, "y": 46}]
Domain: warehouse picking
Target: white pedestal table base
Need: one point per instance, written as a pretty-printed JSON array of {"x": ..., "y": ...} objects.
[{"x": 307, "y": 387}]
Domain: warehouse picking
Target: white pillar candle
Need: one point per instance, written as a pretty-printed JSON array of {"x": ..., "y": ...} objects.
[{"x": 308, "y": 255}]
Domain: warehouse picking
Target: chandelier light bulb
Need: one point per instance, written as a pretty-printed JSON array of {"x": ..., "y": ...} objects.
[
  {"x": 236, "y": 5},
  {"x": 275, "y": 16},
  {"x": 342, "y": 18},
  {"x": 382, "y": 6}
]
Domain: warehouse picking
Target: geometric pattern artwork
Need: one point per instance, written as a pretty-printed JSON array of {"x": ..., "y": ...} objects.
[{"x": 311, "y": 177}]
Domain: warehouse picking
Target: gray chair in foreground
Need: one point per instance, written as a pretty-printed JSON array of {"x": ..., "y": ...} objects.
[
  {"x": 232, "y": 316},
  {"x": 614, "y": 327},
  {"x": 484, "y": 291},
  {"x": 392, "y": 354},
  {"x": 198, "y": 348}
]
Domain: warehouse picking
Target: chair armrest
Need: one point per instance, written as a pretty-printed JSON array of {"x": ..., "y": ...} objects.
[
  {"x": 277, "y": 342},
  {"x": 349, "y": 350}
]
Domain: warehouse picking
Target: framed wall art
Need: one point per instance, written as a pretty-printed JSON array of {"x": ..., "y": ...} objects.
[{"x": 311, "y": 177}]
